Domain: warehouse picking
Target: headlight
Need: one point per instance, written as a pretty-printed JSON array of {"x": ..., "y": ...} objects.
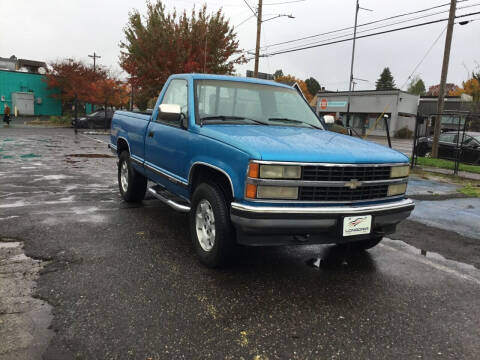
[
  {"x": 397, "y": 189},
  {"x": 280, "y": 172},
  {"x": 277, "y": 192},
  {"x": 399, "y": 171}
]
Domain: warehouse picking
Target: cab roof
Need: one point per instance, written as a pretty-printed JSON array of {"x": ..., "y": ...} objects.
[{"x": 195, "y": 76}]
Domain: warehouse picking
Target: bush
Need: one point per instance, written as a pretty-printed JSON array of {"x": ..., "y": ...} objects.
[
  {"x": 404, "y": 133},
  {"x": 60, "y": 120}
]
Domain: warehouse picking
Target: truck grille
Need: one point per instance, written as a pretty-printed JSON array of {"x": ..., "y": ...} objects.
[
  {"x": 345, "y": 173},
  {"x": 330, "y": 193}
]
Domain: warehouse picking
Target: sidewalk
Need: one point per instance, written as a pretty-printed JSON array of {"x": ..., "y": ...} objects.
[{"x": 462, "y": 174}]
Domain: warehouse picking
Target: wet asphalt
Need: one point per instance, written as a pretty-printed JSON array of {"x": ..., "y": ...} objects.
[{"x": 124, "y": 282}]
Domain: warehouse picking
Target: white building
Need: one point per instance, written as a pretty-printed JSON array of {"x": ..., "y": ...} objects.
[{"x": 367, "y": 108}]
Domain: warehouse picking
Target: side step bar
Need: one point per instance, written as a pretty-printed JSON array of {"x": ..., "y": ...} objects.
[{"x": 169, "y": 199}]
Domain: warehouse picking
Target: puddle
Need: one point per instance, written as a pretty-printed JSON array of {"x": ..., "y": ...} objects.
[
  {"x": 90, "y": 155},
  {"x": 338, "y": 257},
  {"x": 29, "y": 156},
  {"x": 333, "y": 257},
  {"x": 435, "y": 260},
  {"x": 53, "y": 177},
  {"x": 459, "y": 215}
]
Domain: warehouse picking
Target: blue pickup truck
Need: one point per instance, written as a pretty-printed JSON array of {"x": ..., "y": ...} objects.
[{"x": 252, "y": 165}]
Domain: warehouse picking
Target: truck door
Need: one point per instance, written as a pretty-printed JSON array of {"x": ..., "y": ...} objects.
[{"x": 167, "y": 143}]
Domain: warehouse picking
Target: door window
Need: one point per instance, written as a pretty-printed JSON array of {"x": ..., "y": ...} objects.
[
  {"x": 448, "y": 138},
  {"x": 177, "y": 93}
]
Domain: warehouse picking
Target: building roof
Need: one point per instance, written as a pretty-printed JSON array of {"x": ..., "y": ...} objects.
[
  {"x": 362, "y": 92},
  {"x": 31, "y": 63}
]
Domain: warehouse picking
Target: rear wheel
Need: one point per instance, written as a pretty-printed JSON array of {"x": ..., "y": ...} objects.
[
  {"x": 131, "y": 183},
  {"x": 211, "y": 231}
]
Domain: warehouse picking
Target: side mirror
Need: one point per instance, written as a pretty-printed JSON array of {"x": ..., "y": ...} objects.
[{"x": 169, "y": 112}]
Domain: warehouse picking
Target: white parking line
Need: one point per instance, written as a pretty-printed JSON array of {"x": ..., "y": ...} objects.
[{"x": 97, "y": 140}]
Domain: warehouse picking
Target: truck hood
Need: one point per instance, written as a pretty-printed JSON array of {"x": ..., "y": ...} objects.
[{"x": 287, "y": 143}]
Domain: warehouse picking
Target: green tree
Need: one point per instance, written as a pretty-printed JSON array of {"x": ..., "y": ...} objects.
[
  {"x": 385, "y": 81},
  {"x": 417, "y": 86},
  {"x": 313, "y": 85},
  {"x": 160, "y": 44},
  {"x": 278, "y": 73}
]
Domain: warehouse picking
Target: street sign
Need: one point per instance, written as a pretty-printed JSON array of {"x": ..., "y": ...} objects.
[
  {"x": 263, "y": 76},
  {"x": 323, "y": 104}
]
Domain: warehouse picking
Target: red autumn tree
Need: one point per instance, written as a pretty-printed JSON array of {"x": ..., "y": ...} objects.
[
  {"x": 160, "y": 44},
  {"x": 450, "y": 89},
  {"x": 291, "y": 80},
  {"x": 108, "y": 92},
  {"x": 72, "y": 79}
]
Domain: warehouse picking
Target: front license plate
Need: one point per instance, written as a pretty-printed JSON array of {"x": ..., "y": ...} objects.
[{"x": 357, "y": 225}]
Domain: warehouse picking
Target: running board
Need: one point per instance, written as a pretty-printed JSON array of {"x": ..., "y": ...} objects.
[{"x": 169, "y": 199}]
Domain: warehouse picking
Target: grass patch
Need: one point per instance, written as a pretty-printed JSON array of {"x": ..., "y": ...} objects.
[
  {"x": 447, "y": 164},
  {"x": 61, "y": 121},
  {"x": 470, "y": 190}
]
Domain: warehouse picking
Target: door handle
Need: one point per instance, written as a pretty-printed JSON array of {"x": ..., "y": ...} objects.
[{"x": 150, "y": 134}]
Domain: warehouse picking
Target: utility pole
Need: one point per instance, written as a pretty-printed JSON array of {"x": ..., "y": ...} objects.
[
  {"x": 94, "y": 56},
  {"x": 351, "y": 82},
  {"x": 205, "y": 59},
  {"x": 357, "y": 7},
  {"x": 259, "y": 29},
  {"x": 443, "y": 78}
]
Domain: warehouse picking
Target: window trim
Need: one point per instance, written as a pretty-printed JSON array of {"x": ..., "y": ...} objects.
[
  {"x": 199, "y": 122},
  {"x": 168, "y": 123}
]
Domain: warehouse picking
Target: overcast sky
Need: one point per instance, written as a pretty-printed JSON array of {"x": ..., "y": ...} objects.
[{"x": 55, "y": 29}]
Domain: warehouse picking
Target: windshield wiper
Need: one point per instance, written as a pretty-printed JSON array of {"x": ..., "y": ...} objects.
[
  {"x": 287, "y": 120},
  {"x": 230, "y": 117}
]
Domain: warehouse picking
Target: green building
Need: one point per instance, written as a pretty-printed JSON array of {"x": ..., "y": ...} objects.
[{"x": 28, "y": 93}]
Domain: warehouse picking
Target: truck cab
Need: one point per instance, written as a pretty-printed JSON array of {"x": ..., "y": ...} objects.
[{"x": 252, "y": 164}]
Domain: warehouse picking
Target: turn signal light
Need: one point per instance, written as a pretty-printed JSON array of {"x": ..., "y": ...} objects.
[
  {"x": 253, "y": 170},
  {"x": 251, "y": 191}
]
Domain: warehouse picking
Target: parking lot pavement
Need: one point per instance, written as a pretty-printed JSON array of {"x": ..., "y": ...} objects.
[
  {"x": 123, "y": 280},
  {"x": 402, "y": 145}
]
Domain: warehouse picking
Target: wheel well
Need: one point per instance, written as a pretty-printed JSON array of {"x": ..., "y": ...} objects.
[
  {"x": 203, "y": 173},
  {"x": 122, "y": 145}
]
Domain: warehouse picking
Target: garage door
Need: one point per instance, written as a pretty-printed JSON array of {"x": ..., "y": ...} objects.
[{"x": 23, "y": 102}]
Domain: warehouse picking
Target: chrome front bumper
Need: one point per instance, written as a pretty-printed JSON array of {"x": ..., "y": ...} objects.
[{"x": 277, "y": 225}]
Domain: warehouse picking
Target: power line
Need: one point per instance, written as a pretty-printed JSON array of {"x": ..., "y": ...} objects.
[
  {"x": 286, "y": 2},
  {"x": 424, "y": 57},
  {"x": 244, "y": 21},
  {"x": 351, "y": 27},
  {"x": 368, "y": 35},
  {"x": 254, "y": 12},
  {"x": 379, "y": 27}
]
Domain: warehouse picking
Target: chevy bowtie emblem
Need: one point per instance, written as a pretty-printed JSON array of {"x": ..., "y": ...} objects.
[{"x": 353, "y": 184}]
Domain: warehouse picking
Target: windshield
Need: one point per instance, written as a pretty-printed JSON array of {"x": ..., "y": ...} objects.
[{"x": 248, "y": 103}]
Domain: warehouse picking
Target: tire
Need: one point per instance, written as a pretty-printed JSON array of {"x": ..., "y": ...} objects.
[
  {"x": 131, "y": 183},
  {"x": 362, "y": 245},
  {"x": 213, "y": 239}
]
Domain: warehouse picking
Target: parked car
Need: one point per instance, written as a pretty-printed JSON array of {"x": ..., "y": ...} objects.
[
  {"x": 95, "y": 120},
  {"x": 251, "y": 163},
  {"x": 447, "y": 146}
]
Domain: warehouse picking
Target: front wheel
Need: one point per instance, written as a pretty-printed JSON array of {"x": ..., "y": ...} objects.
[
  {"x": 211, "y": 231},
  {"x": 131, "y": 183}
]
